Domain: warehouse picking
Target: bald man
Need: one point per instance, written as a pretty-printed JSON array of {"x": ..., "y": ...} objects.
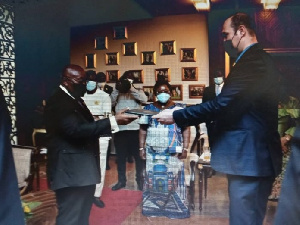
[
  {"x": 246, "y": 142},
  {"x": 73, "y": 147}
]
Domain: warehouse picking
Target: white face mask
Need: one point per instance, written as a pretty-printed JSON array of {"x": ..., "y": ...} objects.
[
  {"x": 91, "y": 85},
  {"x": 163, "y": 97},
  {"x": 218, "y": 80}
]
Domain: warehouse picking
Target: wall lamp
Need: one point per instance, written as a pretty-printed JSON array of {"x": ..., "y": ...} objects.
[{"x": 270, "y": 4}]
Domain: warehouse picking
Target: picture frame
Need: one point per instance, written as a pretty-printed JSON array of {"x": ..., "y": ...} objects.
[
  {"x": 188, "y": 55},
  {"x": 148, "y": 58},
  {"x": 163, "y": 73},
  {"x": 101, "y": 43},
  {"x": 150, "y": 94},
  {"x": 189, "y": 74},
  {"x": 112, "y": 76},
  {"x": 196, "y": 91},
  {"x": 176, "y": 92},
  {"x": 138, "y": 76},
  {"x": 168, "y": 47},
  {"x": 112, "y": 58},
  {"x": 120, "y": 32},
  {"x": 90, "y": 61},
  {"x": 130, "y": 49}
]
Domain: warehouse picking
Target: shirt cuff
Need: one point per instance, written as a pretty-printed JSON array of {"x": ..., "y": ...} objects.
[{"x": 113, "y": 124}]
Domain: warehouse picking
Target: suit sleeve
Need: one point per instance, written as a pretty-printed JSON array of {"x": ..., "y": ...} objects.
[{"x": 245, "y": 83}]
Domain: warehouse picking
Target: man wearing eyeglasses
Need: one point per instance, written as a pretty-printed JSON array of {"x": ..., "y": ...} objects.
[
  {"x": 73, "y": 147},
  {"x": 246, "y": 145}
]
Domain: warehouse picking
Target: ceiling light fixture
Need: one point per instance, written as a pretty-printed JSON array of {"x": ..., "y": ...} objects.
[
  {"x": 202, "y": 5},
  {"x": 270, "y": 4}
]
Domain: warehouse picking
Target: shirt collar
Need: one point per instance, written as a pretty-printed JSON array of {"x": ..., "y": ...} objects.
[
  {"x": 243, "y": 52},
  {"x": 66, "y": 91}
]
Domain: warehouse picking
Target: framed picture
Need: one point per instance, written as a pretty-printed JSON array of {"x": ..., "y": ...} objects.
[
  {"x": 167, "y": 48},
  {"x": 112, "y": 76},
  {"x": 149, "y": 92},
  {"x": 189, "y": 73},
  {"x": 138, "y": 76},
  {"x": 120, "y": 32},
  {"x": 148, "y": 58},
  {"x": 112, "y": 58},
  {"x": 188, "y": 55},
  {"x": 163, "y": 74},
  {"x": 100, "y": 43},
  {"x": 196, "y": 91},
  {"x": 176, "y": 92},
  {"x": 90, "y": 61},
  {"x": 129, "y": 49}
]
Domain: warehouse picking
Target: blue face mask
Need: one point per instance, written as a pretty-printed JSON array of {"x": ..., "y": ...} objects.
[
  {"x": 91, "y": 85},
  {"x": 163, "y": 97},
  {"x": 218, "y": 80}
]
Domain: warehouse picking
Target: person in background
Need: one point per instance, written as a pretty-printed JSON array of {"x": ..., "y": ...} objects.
[
  {"x": 127, "y": 139},
  {"x": 288, "y": 208},
  {"x": 99, "y": 104},
  {"x": 73, "y": 147},
  {"x": 11, "y": 211},
  {"x": 210, "y": 93},
  {"x": 163, "y": 147},
  {"x": 288, "y": 120},
  {"x": 247, "y": 145}
]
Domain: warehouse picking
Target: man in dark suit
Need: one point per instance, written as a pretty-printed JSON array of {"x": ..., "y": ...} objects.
[
  {"x": 210, "y": 93},
  {"x": 247, "y": 144},
  {"x": 73, "y": 147},
  {"x": 11, "y": 211}
]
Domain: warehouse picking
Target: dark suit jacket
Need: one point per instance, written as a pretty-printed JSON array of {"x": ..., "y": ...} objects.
[
  {"x": 73, "y": 144},
  {"x": 11, "y": 211},
  {"x": 209, "y": 93},
  {"x": 246, "y": 141}
]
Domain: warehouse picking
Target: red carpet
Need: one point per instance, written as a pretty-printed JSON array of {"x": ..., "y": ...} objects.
[{"x": 118, "y": 206}]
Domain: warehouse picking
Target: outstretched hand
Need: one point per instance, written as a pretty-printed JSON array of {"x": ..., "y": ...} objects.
[
  {"x": 124, "y": 119},
  {"x": 165, "y": 117}
]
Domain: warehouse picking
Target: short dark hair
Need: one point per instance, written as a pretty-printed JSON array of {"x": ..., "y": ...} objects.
[
  {"x": 160, "y": 83},
  {"x": 239, "y": 19}
]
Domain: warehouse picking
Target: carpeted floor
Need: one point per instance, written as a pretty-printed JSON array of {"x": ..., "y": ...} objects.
[{"x": 126, "y": 200}]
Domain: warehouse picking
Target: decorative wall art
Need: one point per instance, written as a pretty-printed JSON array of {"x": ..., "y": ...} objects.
[
  {"x": 138, "y": 76},
  {"x": 163, "y": 74},
  {"x": 120, "y": 32},
  {"x": 148, "y": 58},
  {"x": 130, "y": 49},
  {"x": 90, "y": 61},
  {"x": 167, "y": 48},
  {"x": 112, "y": 76},
  {"x": 196, "y": 91},
  {"x": 188, "y": 55},
  {"x": 176, "y": 92},
  {"x": 149, "y": 92},
  {"x": 112, "y": 58},
  {"x": 190, "y": 73},
  {"x": 100, "y": 43}
]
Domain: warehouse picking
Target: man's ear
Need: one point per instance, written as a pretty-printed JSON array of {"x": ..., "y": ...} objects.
[{"x": 242, "y": 30}]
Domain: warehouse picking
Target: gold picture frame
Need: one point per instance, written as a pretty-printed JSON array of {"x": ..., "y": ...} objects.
[
  {"x": 163, "y": 73},
  {"x": 196, "y": 91},
  {"x": 130, "y": 49},
  {"x": 148, "y": 58},
  {"x": 112, "y": 76},
  {"x": 112, "y": 58},
  {"x": 100, "y": 43},
  {"x": 176, "y": 92},
  {"x": 90, "y": 61},
  {"x": 188, "y": 55},
  {"x": 189, "y": 74},
  {"x": 138, "y": 76},
  {"x": 168, "y": 47}
]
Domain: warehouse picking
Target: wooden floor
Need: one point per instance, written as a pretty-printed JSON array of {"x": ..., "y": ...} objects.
[{"x": 215, "y": 206}]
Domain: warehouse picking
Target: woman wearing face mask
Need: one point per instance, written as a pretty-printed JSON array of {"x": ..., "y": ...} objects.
[{"x": 163, "y": 147}]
